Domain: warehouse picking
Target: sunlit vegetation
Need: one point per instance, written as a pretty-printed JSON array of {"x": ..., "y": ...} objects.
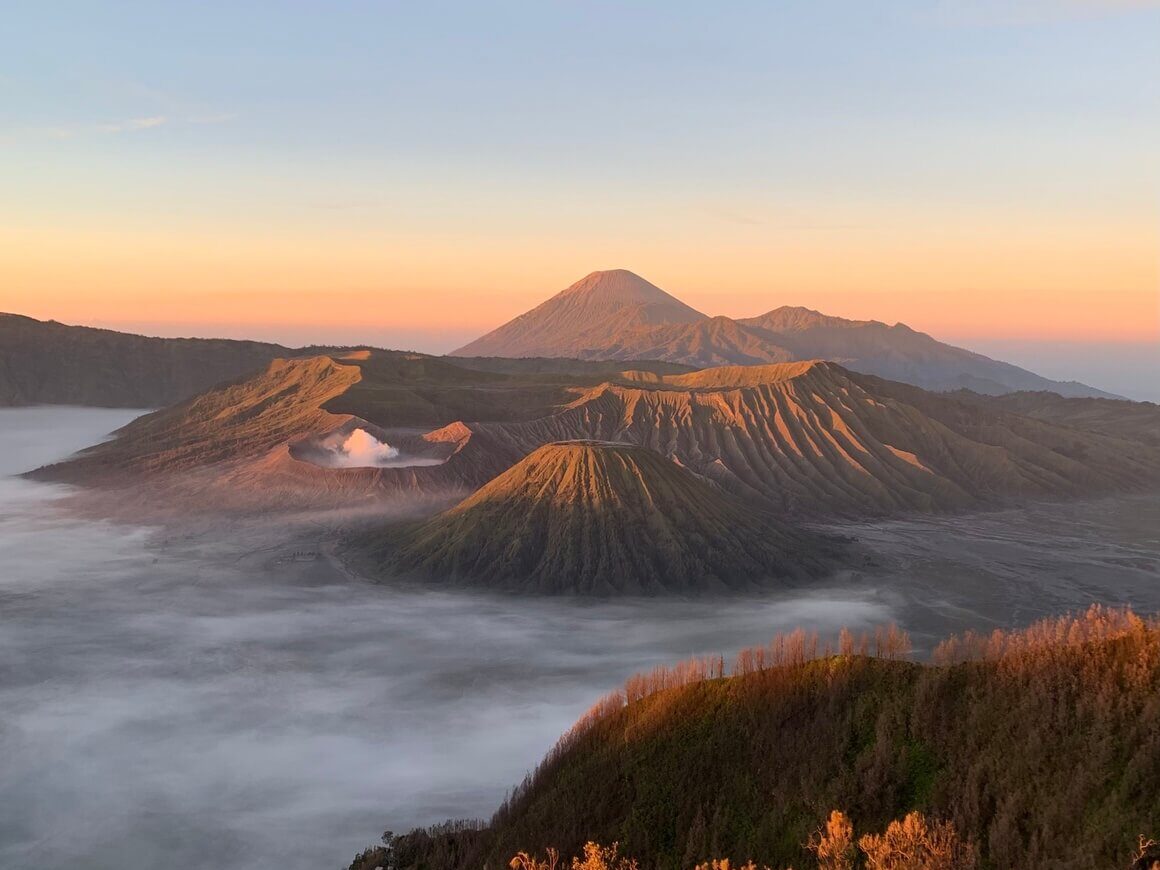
[
  {"x": 915, "y": 844},
  {"x": 1036, "y": 748},
  {"x": 595, "y": 857},
  {"x": 784, "y": 650},
  {"x": 912, "y": 843},
  {"x": 832, "y": 845}
]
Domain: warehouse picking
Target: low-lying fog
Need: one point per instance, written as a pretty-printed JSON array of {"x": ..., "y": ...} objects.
[
  {"x": 196, "y": 703},
  {"x": 193, "y": 704}
]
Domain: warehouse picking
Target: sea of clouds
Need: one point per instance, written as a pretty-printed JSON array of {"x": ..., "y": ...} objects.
[{"x": 185, "y": 702}]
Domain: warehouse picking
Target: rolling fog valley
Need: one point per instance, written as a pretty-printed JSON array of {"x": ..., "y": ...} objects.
[{"x": 239, "y": 701}]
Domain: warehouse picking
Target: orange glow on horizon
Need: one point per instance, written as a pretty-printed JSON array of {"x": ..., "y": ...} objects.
[{"x": 1031, "y": 281}]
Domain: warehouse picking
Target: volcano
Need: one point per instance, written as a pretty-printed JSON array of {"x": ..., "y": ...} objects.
[
  {"x": 594, "y": 313},
  {"x": 617, "y": 315},
  {"x": 597, "y": 518}
]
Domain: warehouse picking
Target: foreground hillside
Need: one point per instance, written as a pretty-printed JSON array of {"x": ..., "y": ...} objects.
[
  {"x": 602, "y": 518},
  {"x": 616, "y": 315},
  {"x": 1040, "y": 747},
  {"x": 49, "y": 363}
]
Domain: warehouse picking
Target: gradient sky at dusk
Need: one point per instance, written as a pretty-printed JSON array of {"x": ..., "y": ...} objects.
[{"x": 412, "y": 174}]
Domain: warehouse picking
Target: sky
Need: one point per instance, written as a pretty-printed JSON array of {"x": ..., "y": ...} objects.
[{"x": 414, "y": 174}]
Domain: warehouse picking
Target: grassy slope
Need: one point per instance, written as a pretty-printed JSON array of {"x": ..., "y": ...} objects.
[{"x": 1047, "y": 758}]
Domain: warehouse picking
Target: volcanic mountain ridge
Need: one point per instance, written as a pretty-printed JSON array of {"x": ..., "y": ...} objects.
[
  {"x": 807, "y": 438},
  {"x": 813, "y": 437}
]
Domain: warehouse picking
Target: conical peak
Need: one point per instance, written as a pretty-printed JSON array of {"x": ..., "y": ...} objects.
[
  {"x": 618, "y": 285},
  {"x": 600, "y": 517},
  {"x": 587, "y": 457}
]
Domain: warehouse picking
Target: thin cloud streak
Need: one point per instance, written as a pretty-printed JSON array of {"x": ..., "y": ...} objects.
[
  {"x": 114, "y": 128},
  {"x": 215, "y": 118},
  {"x": 74, "y": 131},
  {"x": 132, "y": 124}
]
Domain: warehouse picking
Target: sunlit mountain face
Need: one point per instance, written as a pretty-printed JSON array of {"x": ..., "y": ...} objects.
[{"x": 618, "y": 315}]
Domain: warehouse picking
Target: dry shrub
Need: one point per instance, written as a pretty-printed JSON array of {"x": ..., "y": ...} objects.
[
  {"x": 833, "y": 844},
  {"x": 597, "y": 857},
  {"x": 662, "y": 678},
  {"x": 1045, "y": 637},
  {"x": 524, "y": 861},
  {"x": 915, "y": 844},
  {"x": 1147, "y": 855}
]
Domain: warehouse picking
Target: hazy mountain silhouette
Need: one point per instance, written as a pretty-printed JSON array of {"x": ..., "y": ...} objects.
[
  {"x": 618, "y": 315},
  {"x": 593, "y": 313},
  {"x": 607, "y": 316},
  {"x": 49, "y": 363}
]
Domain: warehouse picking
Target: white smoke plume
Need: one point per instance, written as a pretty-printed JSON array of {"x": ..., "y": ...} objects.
[{"x": 361, "y": 449}]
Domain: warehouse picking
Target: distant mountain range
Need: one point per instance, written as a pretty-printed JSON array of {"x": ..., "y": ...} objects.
[
  {"x": 612, "y": 316},
  {"x": 620, "y": 316},
  {"x": 49, "y": 363}
]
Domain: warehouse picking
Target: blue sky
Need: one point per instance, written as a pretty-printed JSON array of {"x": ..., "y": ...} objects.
[
  {"x": 813, "y": 96},
  {"x": 907, "y": 161}
]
